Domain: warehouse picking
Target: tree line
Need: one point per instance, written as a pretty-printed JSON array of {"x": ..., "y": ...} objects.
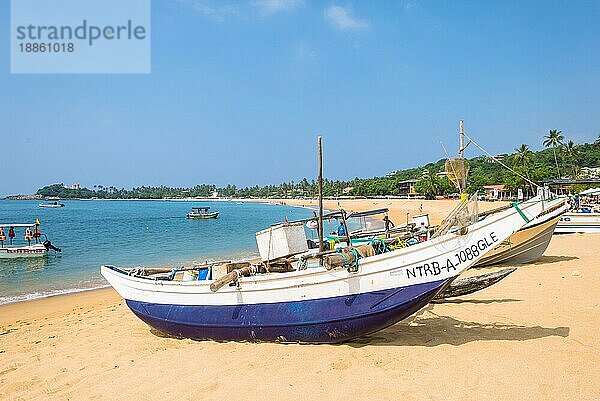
[{"x": 559, "y": 159}]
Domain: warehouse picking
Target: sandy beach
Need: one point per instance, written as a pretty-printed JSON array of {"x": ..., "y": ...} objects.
[{"x": 532, "y": 336}]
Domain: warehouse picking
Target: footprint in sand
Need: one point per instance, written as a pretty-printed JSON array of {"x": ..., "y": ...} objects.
[{"x": 340, "y": 365}]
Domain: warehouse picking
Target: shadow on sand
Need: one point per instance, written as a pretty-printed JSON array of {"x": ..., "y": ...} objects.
[
  {"x": 436, "y": 330},
  {"x": 553, "y": 259},
  {"x": 473, "y": 301}
]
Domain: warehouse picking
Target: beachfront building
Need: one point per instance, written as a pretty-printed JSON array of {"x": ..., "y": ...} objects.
[
  {"x": 406, "y": 188},
  {"x": 498, "y": 193}
]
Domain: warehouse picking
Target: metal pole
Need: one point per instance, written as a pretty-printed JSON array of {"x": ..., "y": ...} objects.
[{"x": 320, "y": 179}]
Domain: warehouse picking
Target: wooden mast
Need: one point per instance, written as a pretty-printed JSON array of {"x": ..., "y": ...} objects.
[
  {"x": 461, "y": 139},
  {"x": 320, "y": 179}
]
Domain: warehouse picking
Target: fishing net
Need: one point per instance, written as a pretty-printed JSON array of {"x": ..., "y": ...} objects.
[
  {"x": 457, "y": 170},
  {"x": 463, "y": 215}
]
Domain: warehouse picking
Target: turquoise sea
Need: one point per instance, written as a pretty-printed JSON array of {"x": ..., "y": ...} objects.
[{"x": 128, "y": 233}]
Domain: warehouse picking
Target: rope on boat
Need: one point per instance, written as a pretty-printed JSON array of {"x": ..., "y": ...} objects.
[
  {"x": 516, "y": 206},
  {"x": 502, "y": 164}
]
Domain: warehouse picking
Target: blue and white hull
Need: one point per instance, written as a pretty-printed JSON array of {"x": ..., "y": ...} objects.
[{"x": 316, "y": 305}]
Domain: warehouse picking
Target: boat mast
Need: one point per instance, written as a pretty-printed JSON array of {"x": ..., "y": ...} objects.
[
  {"x": 320, "y": 179},
  {"x": 461, "y": 132}
]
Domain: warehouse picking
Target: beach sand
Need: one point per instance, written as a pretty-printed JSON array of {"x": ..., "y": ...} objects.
[{"x": 532, "y": 336}]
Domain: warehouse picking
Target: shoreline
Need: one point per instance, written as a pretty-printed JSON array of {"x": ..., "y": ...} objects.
[{"x": 533, "y": 333}]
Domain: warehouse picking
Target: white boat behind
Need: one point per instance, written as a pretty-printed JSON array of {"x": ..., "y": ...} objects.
[{"x": 578, "y": 222}]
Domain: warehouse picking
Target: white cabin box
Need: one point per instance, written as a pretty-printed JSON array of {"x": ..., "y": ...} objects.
[
  {"x": 281, "y": 240},
  {"x": 421, "y": 221}
]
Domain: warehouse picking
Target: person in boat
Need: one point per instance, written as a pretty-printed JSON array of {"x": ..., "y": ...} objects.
[
  {"x": 11, "y": 234},
  {"x": 341, "y": 230},
  {"x": 2, "y": 237},
  {"x": 36, "y": 233},
  {"x": 28, "y": 235},
  {"x": 388, "y": 223}
]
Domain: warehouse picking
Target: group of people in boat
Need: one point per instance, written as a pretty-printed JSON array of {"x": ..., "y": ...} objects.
[{"x": 30, "y": 235}]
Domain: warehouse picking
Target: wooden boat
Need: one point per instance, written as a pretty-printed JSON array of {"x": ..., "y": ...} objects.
[
  {"x": 316, "y": 305},
  {"x": 10, "y": 251},
  {"x": 52, "y": 205},
  {"x": 530, "y": 242},
  {"x": 202, "y": 213}
]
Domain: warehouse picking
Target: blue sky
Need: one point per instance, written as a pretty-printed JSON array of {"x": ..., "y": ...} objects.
[{"x": 239, "y": 92}]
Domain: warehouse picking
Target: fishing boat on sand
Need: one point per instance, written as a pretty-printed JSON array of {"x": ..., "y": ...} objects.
[
  {"x": 52, "y": 205},
  {"x": 579, "y": 222},
  {"x": 530, "y": 242},
  {"x": 584, "y": 216},
  {"x": 340, "y": 296},
  {"x": 39, "y": 248},
  {"x": 202, "y": 213}
]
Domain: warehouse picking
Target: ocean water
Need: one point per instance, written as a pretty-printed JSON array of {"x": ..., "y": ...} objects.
[{"x": 128, "y": 233}]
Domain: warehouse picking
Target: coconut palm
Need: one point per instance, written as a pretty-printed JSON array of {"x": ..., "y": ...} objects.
[
  {"x": 554, "y": 139},
  {"x": 523, "y": 154},
  {"x": 572, "y": 152}
]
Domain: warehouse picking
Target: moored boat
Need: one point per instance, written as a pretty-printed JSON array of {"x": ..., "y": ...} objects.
[
  {"x": 314, "y": 304},
  {"x": 39, "y": 248},
  {"x": 202, "y": 213},
  {"x": 52, "y": 205}
]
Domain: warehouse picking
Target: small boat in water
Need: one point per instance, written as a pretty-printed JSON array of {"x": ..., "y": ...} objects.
[
  {"x": 322, "y": 301},
  {"x": 202, "y": 213},
  {"x": 39, "y": 248},
  {"x": 52, "y": 205}
]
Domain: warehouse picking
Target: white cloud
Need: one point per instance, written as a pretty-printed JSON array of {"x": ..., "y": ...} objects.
[
  {"x": 344, "y": 18},
  {"x": 269, "y": 7},
  {"x": 411, "y": 5},
  {"x": 210, "y": 8}
]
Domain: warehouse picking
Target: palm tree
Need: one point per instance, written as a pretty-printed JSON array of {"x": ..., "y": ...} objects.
[
  {"x": 572, "y": 152},
  {"x": 554, "y": 139},
  {"x": 523, "y": 154}
]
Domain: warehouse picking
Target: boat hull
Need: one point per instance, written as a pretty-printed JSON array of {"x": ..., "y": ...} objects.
[
  {"x": 579, "y": 223},
  {"x": 203, "y": 216},
  {"x": 33, "y": 251},
  {"x": 524, "y": 246},
  {"x": 325, "y": 320}
]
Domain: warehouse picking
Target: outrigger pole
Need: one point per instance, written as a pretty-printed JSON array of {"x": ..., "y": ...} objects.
[{"x": 320, "y": 179}]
